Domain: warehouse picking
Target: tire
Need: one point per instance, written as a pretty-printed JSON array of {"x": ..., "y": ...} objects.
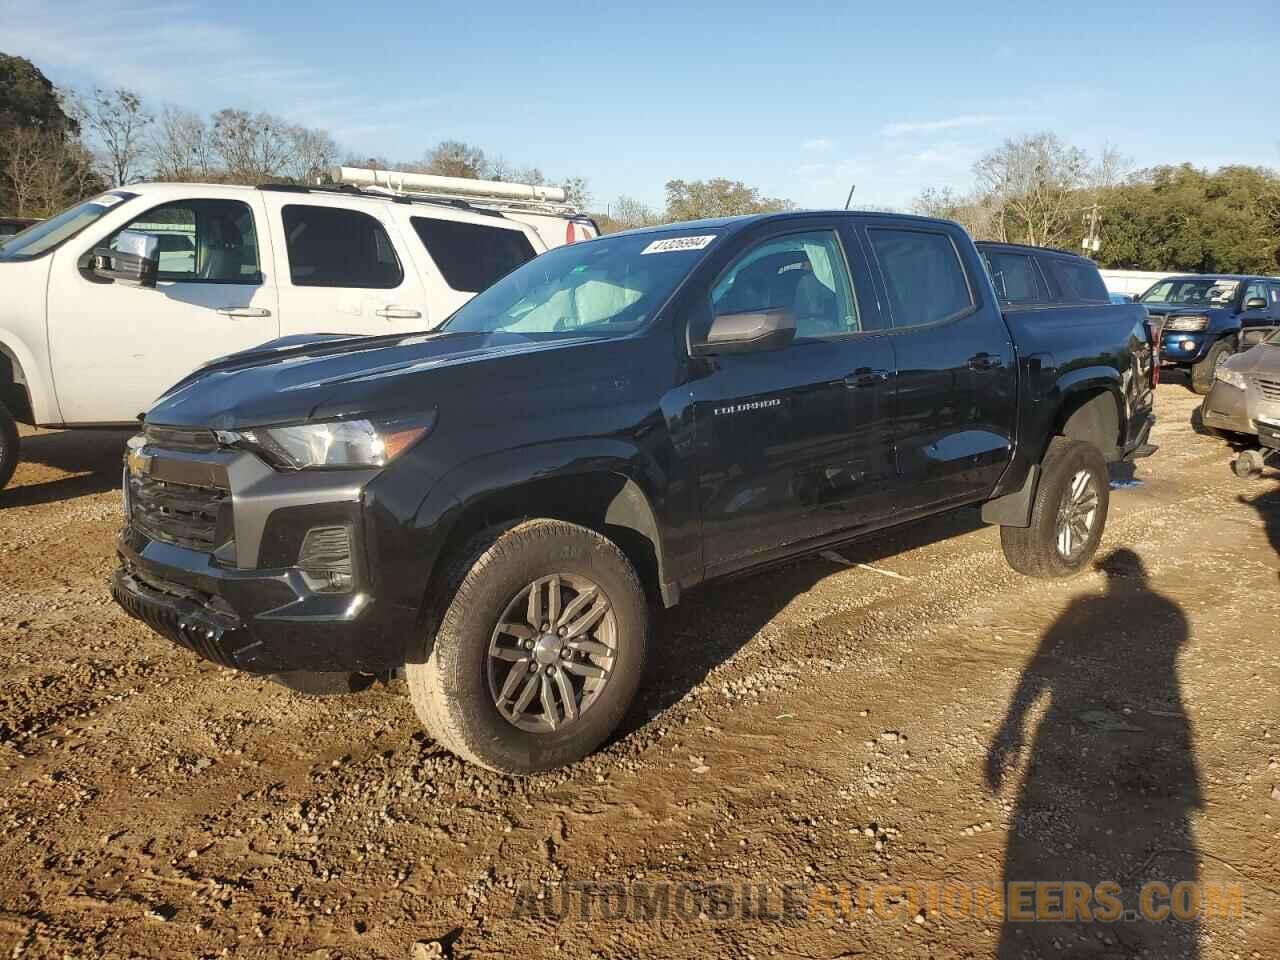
[
  {"x": 10, "y": 446},
  {"x": 1202, "y": 372},
  {"x": 1249, "y": 465},
  {"x": 1036, "y": 551},
  {"x": 316, "y": 684},
  {"x": 466, "y": 683}
]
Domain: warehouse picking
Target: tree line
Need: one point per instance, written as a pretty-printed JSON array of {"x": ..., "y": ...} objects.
[{"x": 1037, "y": 189}]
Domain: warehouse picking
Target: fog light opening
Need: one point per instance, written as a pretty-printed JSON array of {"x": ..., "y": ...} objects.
[{"x": 325, "y": 559}]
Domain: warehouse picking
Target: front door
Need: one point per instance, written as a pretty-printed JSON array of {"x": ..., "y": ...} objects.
[
  {"x": 117, "y": 347},
  {"x": 955, "y": 399},
  {"x": 794, "y": 444}
]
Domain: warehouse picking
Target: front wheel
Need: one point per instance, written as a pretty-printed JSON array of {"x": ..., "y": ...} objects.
[
  {"x": 1068, "y": 515},
  {"x": 542, "y": 639},
  {"x": 9, "y": 445},
  {"x": 1202, "y": 373}
]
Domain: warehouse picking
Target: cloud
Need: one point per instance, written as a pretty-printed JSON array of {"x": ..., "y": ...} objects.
[
  {"x": 816, "y": 145},
  {"x": 903, "y": 128},
  {"x": 175, "y": 52}
]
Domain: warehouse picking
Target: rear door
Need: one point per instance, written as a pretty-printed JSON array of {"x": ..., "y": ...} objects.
[
  {"x": 343, "y": 267},
  {"x": 955, "y": 394},
  {"x": 794, "y": 444}
]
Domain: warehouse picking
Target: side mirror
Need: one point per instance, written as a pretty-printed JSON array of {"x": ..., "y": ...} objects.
[
  {"x": 1256, "y": 303},
  {"x": 135, "y": 259},
  {"x": 749, "y": 332}
]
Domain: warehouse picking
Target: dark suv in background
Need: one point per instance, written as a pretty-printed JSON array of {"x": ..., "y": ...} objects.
[{"x": 1204, "y": 316}]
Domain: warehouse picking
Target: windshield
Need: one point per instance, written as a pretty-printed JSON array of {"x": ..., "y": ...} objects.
[
  {"x": 47, "y": 234},
  {"x": 1195, "y": 291},
  {"x": 607, "y": 288}
]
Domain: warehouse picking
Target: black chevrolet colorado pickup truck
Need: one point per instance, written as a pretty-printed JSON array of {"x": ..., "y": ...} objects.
[{"x": 496, "y": 506}]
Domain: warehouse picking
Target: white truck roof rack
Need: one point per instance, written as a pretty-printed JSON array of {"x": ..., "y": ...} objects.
[{"x": 489, "y": 194}]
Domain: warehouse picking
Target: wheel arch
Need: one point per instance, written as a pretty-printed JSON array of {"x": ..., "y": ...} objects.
[
  {"x": 15, "y": 387},
  {"x": 1091, "y": 407}
]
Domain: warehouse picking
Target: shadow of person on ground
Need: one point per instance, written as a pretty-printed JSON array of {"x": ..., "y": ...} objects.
[
  {"x": 1268, "y": 506},
  {"x": 1110, "y": 779},
  {"x": 92, "y": 458}
]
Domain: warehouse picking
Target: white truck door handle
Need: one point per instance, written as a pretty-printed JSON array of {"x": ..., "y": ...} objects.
[
  {"x": 244, "y": 311},
  {"x": 398, "y": 313}
]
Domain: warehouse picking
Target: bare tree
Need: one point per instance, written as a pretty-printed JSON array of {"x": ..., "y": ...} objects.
[
  {"x": 252, "y": 147},
  {"x": 311, "y": 154},
  {"x": 46, "y": 171},
  {"x": 629, "y": 213},
  {"x": 181, "y": 147},
  {"x": 117, "y": 121},
  {"x": 453, "y": 158},
  {"x": 696, "y": 199},
  {"x": 1031, "y": 185}
]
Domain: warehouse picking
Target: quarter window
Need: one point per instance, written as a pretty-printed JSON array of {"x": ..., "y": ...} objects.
[
  {"x": 804, "y": 273},
  {"x": 922, "y": 271},
  {"x": 472, "y": 256},
  {"x": 1013, "y": 275},
  {"x": 334, "y": 247},
  {"x": 202, "y": 241}
]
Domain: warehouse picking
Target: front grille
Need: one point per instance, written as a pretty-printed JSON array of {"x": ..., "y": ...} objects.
[
  {"x": 181, "y": 438},
  {"x": 1270, "y": 389},
  {"x": 175, "y": 513}
]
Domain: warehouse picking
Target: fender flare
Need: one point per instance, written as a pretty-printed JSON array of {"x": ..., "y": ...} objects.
[{"x": 26, "y": 374}]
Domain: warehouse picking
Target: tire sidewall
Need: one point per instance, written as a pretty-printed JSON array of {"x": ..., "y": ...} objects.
[
  {"x": 461, "y": 646},
  {"x": 9, "y": 446},
  {"x": 1202, "y": 373},
  {"x": 1073, "y": 457}
]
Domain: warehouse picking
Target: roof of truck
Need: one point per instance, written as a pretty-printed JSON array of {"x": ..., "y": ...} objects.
[{"x": 734, "y": 224}]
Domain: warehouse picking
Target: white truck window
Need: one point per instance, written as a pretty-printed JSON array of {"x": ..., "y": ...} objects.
[
  {"x": 334, "y": 247},
  {"x": 202, "y": 241},
  {"x": 471, "y": 256}
]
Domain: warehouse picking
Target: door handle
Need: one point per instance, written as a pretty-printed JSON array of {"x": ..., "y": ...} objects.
[
  {"x": 985, "y": 361},
  {"x": 865, "y": 377},
  {"x": 398, "y": 313},
  {"x": 244, "y": 311}
]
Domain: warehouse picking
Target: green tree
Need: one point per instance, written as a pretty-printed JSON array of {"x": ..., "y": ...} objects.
[
  {"x": 700, "y": 199},
  {"x": 29, "y": 99}
]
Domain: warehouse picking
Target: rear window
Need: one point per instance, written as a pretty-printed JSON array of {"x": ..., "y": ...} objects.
[
  {"x": 1078, "y": 281},
  {"x": 1013, "y": 275},
  {"x": 333, "y": 247},
  {"x": 923, "y": 273},
  {"x": 472, "y": 256}
]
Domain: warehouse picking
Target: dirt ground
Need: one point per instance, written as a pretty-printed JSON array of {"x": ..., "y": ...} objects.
[{"x": 907, "y": 712}]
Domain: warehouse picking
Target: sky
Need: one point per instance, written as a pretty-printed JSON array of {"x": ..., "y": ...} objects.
[{"x": 800, "y": 99}]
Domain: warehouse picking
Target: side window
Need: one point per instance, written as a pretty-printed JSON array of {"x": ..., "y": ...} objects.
[
  {"x": 804, "y": 273},
  {"x": 202, "y": 241},
  {"x": 1254, "y": 290},
  {"x": 472, "y": 256},
  {"x": 1078, "y": 281},
  {"x": 333, "y": 247},
  {"x": 922, "y": 271},
  {"x": 1275, "y": 297},
  {"x": 1014, "y": 276}
]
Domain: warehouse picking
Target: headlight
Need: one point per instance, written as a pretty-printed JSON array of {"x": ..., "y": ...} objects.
[
  {"x": 340, "y": 444},
  {"x": 1187, "y": 324},
  {"x": 1227, "y": 375}
]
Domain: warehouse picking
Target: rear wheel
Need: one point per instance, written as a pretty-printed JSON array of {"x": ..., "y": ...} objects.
[
  {"x": 542, "y": 639},
  {"x": 9, "y": 445},
  {"x": 1202, "y": 373},
  {"x": 1067, "y": 516}
]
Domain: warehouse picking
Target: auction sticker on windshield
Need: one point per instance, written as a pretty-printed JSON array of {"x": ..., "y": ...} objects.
[{"x": 675, "y": 244}]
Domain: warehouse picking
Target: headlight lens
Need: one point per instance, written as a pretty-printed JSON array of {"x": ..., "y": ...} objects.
[
  {"x": 339, "y": 444},
  {"x": 1226, "y": 375},
  {"x": 1187, "y": 324}
]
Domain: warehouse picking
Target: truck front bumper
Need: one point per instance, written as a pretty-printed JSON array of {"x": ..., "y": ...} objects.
[{"x": 233, "y": 591}]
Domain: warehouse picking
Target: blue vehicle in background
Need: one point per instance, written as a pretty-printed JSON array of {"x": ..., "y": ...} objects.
[{"x": 1202, "y": 318}]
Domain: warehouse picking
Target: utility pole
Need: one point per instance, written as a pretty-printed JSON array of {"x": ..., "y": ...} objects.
[{"x": 1092, "y": 242}]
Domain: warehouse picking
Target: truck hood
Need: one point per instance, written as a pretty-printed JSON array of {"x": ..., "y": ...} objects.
[
  {"x": 1180, "y": 309},
  {"x": 326, "y": 376}
]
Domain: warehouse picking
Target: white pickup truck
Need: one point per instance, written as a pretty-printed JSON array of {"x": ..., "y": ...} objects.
[{"x": 235, "y": 267}]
